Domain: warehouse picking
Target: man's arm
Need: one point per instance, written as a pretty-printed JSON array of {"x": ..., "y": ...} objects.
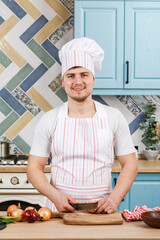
[
  {"x": 35, "y": 174},
  {"x": 126, "y": 178}
]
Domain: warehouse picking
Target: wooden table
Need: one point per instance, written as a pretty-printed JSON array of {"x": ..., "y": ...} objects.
[{"x": 55, "y": 229}]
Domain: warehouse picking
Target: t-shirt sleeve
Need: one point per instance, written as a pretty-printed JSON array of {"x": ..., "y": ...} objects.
[
  {"x": 42, "y": 139},
  {"x": 122, "y": 138}
]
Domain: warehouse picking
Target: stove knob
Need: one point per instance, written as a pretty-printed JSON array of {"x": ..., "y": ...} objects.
[
  {"x": 1, "y": 180},
  {"x": 11, "y": 162},
  {"x": 19, "y": 163},
  {"x": 14, "y": 180}
]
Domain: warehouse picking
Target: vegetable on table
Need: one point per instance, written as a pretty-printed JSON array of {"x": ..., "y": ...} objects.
[
  {"x": 30, "y": 214},
  {"x": 18, "y": 213},
  {"x": 7, "y": 219},
  {"x": 44, "y": 213}
]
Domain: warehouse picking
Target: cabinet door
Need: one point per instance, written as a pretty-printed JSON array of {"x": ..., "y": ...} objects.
[
  {"x": 104, "y": 22},
  {"x": 145, "y": 190},
  {"x": 142, "y": 44}
]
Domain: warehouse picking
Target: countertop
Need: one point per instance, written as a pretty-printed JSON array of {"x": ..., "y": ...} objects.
[
  {"x": 144, "y": 166},
  {"x": 55, "y": 229}
]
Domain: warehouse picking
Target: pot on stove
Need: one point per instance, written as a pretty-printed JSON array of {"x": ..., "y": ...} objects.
[{"x": 4, "y": 149}]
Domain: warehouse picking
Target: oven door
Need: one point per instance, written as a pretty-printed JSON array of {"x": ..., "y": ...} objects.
[{"x": 31, "y": 197}]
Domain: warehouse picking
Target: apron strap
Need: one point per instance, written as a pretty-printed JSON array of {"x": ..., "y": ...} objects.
[
  {"x": 63, "y": 111},
  {"x": 100, "y": 110},
  {"x": 101, "y": 113}
]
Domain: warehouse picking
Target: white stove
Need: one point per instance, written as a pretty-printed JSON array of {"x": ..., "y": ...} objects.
[
  {"x": 14, "y": 185},
  {"x": 14, "y": 160},
  {"x": 17, "y": 160}
]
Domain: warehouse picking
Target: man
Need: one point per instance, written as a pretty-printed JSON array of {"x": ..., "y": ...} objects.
[{"x": 82, "y": 136}]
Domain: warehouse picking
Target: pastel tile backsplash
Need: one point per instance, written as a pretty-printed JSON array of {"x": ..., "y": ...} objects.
[{"x": 31, "y": 34}]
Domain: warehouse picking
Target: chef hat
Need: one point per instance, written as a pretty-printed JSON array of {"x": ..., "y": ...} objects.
[{"x": 83, "y": 52}]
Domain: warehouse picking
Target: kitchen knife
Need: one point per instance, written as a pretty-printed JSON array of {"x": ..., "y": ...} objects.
[{"x": 84, "y": 206}]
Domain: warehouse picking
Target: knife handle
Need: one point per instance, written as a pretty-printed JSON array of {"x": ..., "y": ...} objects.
[
  {"x": 57, "y": 215},
  {"x": 74, "y": 205}
]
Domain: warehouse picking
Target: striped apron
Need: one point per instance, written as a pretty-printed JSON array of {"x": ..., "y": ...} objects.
[{"x": 82, "y": 156}]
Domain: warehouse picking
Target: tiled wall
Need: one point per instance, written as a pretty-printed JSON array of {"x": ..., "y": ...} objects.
[{"x": 31, "y": 33}]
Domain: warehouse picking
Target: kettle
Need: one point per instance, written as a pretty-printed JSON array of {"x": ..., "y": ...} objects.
[{"x": 4, "y": 149}]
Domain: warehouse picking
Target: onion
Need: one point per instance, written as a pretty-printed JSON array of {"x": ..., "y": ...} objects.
[
  {"x": 18, "y": 213},
  {"x": 30, "y": 208},
  {"x": 11, "y": 208},
  {"x": 44, "y": 213},
  {"x": 30, "y": 216}
]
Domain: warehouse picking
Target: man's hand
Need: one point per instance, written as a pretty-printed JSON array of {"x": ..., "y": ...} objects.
[
  {"x": 106, "y": 205},
  {"x": 62, "y": 201}
]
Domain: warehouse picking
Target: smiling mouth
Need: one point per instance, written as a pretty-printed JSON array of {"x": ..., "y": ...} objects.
[{"x": 78, "y": 89}]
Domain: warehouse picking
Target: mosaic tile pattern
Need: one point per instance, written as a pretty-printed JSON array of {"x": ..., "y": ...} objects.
[
  {"x": 12, "y": 53},
  {"x": 12, "y": 102},
  {"x": 14, "y": 130},
  {"x": 4, "y": 60},
  {"x": 56, "y": 83},
  {"x": 31, "y": 34},
  {"x": 69, "y": 5},
  {"x": 62, "y": 30},
  {"x": 30, "y": 48},
  {"x": 26, "y": 101},
  {"x": 15, "y": 8},
  {"x": 1, "y": 20},
  {"x": 33, "y": 77},
  {"x": 130, "y": 104},
  {"x": 33, "y": 29},
  {"x": 4, "y": 108},
  {"x": 19, "y": 77},
  {"x": 8, "y": 122},
  {"x": 7, "y": 26}
]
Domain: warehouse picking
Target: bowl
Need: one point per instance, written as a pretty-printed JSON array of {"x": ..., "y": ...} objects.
[{"x": 151, "y": 218}]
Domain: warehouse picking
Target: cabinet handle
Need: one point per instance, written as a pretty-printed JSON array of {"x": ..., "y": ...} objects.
[
  {"x": 115, "y": 181},
  {"x": 127, "y": 81},
  {"x": 1, "y": 180}
]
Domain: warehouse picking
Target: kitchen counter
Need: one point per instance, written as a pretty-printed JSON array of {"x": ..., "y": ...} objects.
[
  {"x": 55, "y": 229},
  {"x": 144, "y": 166}
]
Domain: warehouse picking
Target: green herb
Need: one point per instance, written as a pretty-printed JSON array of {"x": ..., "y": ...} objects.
[
  {"x": 149, "y": 126},
  {"x": 7, "y": 219}
]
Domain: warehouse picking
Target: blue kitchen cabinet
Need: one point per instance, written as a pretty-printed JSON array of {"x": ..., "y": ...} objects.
[
  {"x": 144, "y": 191},
  {"x": 104, "y": 22},
  {"x": 142, "y": 44},
  {"x": 128, "y": 31}
]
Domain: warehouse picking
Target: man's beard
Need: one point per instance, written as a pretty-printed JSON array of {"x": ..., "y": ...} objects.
[{"x": 80, "y": 99}]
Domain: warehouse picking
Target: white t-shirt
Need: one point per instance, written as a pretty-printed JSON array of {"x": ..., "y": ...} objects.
[{"x": 45, "y": 128}]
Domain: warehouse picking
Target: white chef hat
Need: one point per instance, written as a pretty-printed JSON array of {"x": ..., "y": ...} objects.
[{"x": 83, "y": 52}]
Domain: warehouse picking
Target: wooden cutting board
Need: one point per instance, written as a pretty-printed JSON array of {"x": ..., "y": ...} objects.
[{"x": 85, "y": 218}]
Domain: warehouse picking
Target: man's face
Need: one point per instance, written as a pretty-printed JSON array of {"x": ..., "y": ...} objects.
[{"x": 78, "y": 83}]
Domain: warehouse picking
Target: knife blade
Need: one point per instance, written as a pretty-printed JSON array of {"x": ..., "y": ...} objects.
[{"x": 84, "y": 206}]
